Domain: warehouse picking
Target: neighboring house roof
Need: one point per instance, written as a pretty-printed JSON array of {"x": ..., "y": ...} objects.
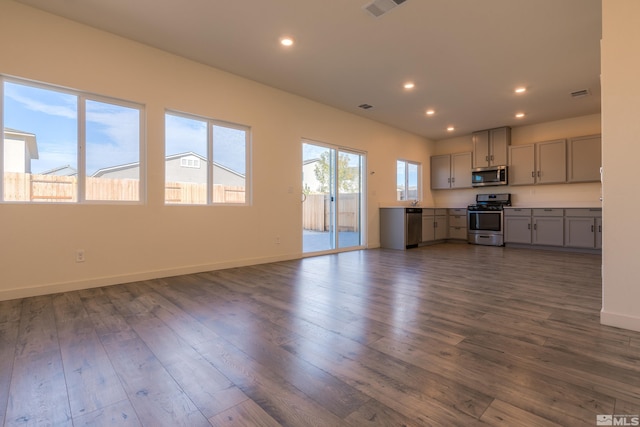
[
  {"x": 66, "y": 170},
  {"x": 102, "y": 171},
  {"x": 29, "y": 139}
]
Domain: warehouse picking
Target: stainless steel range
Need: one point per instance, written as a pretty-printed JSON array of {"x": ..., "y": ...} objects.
[{"x": 485, "y": 219}]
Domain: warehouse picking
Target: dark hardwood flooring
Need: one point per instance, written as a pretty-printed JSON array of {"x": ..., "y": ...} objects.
[{"x": 446, "y": 335}]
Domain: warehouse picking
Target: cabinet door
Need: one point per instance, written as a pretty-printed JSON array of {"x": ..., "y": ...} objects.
[
  {"x": 517, "y": 229},
  {"x": 441, "y": 172},
  {"x": 461, "y": 170},
  {"x": 584, "y": 159},
  {"x": 459, "y": 233},
  {"x": 457, "y": 221},
  {"x": 480, "y": 149},
  {"x": 499, "y": 140},
  {"x": 551, "y": 162},
  {"x": 428, "y": 231},
  {"x": 598, "y": 233},
  {"x": 580, "y": 232},
  {"x": 522, "y": 164},
  {"x": 440, "y": 227},
  {"x": 548, "y": 231}
]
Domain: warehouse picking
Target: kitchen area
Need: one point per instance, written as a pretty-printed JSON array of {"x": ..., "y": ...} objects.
[{"x": 542, "y": 194}]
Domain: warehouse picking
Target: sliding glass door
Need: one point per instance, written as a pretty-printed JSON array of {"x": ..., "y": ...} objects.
[{"x": 332, "y": 181}]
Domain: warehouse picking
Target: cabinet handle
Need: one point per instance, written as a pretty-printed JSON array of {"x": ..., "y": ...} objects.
[
  {"x": 533, "y": 174},
  {"x": 535, "y": 226},
  {"x": 492, "y": 157},
  {"x": 592, "y": 228},
  {"x": 599, "y": 229},
  {"x": 538, "y": 174},
  {"x": 528, "y": 226},
  {"x": 435, "y": 224},
  {"x": 449, "y": 180},
  {"x": 453, "y": 179},
  {"x": 486, "y": 158}
]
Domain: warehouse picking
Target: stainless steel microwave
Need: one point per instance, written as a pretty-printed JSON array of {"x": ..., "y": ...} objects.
[{"x": 493, "y": 175}]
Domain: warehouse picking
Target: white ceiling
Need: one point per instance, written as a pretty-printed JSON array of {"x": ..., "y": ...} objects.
[{"x": 465, "y": 56}]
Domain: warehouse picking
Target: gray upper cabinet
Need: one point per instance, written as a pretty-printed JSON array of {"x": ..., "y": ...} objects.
[
  {"x": 451, "y": 171},
  {"x": 540, "y": 163},
  {"x": 584, "y": 159},
  {"x": 490, "y": 147},
  {"x": 522, "y": 164},
  {"x": 461, "y": 170},
  {"x": 441, "y": 172},
  {"x": 551, "y": 162}
]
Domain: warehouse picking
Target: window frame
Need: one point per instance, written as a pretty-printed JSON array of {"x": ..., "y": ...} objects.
[
  {"x": 211, "y": 122},
  {"x": 403, "y": 197},
  {"x": 81, "y": 98}
]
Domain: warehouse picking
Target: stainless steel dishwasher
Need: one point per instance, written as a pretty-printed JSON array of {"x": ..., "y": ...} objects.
[{"x": 413, "y": 224}]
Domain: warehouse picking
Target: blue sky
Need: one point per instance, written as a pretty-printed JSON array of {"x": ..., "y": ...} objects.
[{"x": 112, "y": 131}]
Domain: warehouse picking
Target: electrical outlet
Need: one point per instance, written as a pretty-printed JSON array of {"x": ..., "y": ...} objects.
[
  {"x": 80, "y": 255},
  {"x": 277, "y": 240}
]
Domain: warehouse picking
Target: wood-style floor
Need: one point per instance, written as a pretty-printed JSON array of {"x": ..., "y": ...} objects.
[{"x": 447, "y": 335}]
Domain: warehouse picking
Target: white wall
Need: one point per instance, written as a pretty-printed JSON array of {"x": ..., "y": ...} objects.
[
  {"x": 15, "y": 156},
  {"x": 553, "y": 195},
  {"x": 621, "y": 139},
  {"x": 131, "y": 242}
]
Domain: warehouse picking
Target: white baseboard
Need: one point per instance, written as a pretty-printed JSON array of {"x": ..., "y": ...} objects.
[
  {"x": 618, "y": 320},
  {"x": 76, "y": 285}
]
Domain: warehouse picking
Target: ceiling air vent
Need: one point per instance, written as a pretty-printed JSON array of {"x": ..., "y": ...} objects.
[
  {"x": 580, "y": 93},
  {"x": 377, "y": 8},
  {"x": 365, "y": 106}
]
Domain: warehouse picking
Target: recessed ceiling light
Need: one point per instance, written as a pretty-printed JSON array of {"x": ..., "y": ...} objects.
[
  {"x": 430, "y": 112},
  {"x": 286, "y": 41},
  {"x": 519, "y": 115},
  {"x": 409, "y": 85},
  {"x": 451, "y": 129},
  {"x": 521, "y": 90}
]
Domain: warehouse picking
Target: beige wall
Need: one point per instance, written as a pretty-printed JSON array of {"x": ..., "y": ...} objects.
[
  {"x": 124, "y": 243},
  {"x": 621, "y": 139},
  {"x": 131, "y": 242},
  {"x": 553, "y": 195}
]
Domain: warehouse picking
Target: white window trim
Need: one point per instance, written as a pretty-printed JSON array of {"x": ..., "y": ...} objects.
[
  {"x": 248, "y": 183},
  {"x": 406, "y": 180},
  {"x": 82, "y": 97}
]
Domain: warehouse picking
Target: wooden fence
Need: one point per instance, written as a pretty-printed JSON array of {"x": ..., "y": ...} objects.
[
  {"x": 51, "y": 188},
  {"x": 316, "y": 212}
]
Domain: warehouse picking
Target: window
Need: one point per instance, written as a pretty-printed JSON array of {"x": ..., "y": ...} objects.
[
  {"x": 206, "y": 161},
  {"x": 67, "y": 146},
  {"x": 408, "y": 180},
  {"x": 190, "y": 162}
]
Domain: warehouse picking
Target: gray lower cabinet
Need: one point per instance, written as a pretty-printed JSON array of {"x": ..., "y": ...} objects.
[
  {"x": 434, "y": 224},
  {"x": 428, "y": 231},
  {"x": 517, "y": 225},
  {"x": 583, "y": 228},
  {"x": 572, "y": 227},
  {"x": 457, "y": 218},
  {"x": 548, "y": 227}
]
